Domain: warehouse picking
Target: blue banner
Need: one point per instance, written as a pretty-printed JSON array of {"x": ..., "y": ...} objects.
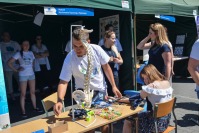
[
  {"x": 4, "y": 113},
  {"x": 68, "y": 11},
  {"x": 168, "y": 18}
]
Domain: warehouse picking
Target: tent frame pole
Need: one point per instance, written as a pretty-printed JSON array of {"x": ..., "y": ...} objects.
[
  {"x": 134, "y": 48},
  {"x": 15, "y": 12}
]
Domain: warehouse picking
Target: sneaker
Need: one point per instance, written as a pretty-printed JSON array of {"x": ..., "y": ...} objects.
[
  {"x": 24, "y": 115},
  {"x": 38, "y": 110}
]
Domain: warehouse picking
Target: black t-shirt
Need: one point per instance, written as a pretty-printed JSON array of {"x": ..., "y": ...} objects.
[
  {"x": 155, "y": 56},
  {"x": 110, "y": 53}
]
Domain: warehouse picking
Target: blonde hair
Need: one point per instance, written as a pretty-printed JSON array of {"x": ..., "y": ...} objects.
[
  {"x": 152, "y": 73},
  {"x": 108, "y": 34},
  {"x": 113, "y": 47},
  {"x": 78, "y": 33},
  {"x": 162, "y": 38},
  {"x": 161, "y": 33}
]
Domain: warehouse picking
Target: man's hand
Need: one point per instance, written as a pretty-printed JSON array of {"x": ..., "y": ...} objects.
[
  {"x": 58, "y": 108},
  {"x": 61, "y": 91},
  {"x": 116, "y": 92}
]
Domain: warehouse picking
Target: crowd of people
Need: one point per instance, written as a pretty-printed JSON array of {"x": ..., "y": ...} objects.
[
  {"x": 156, "y": 75},
  {"x": 108, "y": 58},
  {"x": 23, "y": 64}
]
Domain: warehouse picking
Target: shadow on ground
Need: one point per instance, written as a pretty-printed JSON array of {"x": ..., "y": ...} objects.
[
  {"x": 186, "y": 122},
  {"x": 182, "y": 80},
  {"x": 188, "y": 106},
  {"x": 15, "y": 109}
]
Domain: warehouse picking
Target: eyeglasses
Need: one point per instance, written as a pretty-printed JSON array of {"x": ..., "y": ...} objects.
[{"x": 38, "y": 39}]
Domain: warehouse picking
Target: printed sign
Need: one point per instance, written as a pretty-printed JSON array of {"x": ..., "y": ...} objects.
[
  {"x": 68, "y": 11},
  {"x": 180, "y": 39},
  {"x": 178, "y": 51},
  {"x": 125, "y": 4},
  {"x": 4, "y": 113},
  {"x": 114, "y": 20}
]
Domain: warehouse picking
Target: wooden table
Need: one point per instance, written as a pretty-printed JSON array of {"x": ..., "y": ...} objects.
[{"x": 73, "y": 127}]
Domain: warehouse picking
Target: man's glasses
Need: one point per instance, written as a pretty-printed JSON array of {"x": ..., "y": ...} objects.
[{"x": 38, "y": 39}]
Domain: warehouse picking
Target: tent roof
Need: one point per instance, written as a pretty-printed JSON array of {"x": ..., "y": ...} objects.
[
  {"x": 167, "y": 7},
  {"x": 185, "y": 2},
  {"x": 103, "y": 4}
]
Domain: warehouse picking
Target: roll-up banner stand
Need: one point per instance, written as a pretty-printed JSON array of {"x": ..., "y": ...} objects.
[{"x": 4, "y": 112}]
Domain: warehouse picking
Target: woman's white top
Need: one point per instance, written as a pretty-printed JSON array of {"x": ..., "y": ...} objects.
[
  {"x": 158, "y": 95},
  {"x": 26, "y": 62},
  {"x": 40, "y": 61}
]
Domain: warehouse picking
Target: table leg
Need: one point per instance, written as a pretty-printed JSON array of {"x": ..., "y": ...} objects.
[
  {"x": 136, "y": 124},
  {"x": 111, "y": 128}
]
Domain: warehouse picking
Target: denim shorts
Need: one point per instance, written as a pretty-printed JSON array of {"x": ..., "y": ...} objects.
[{"x": 26, "y": 78}]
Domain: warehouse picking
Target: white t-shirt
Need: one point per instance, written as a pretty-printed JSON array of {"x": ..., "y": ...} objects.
[
  {"x": 195, "y": 55},
  {"x": 117, "y": 44},
  {"x": 26, "y": 62},
  {"x": 8, "y": 50},
  {"x": 41, "y": 61},
  {"x": 77, "y": 67},
  {"x": 195, "y": 52}
]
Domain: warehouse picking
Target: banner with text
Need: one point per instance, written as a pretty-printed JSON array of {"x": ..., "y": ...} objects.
[
  {"x": 4, "y": 113},
  {"x": 68, "y": 11}
]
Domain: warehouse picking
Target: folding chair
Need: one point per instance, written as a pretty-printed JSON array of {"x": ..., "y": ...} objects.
[
  {"x": 163, "y": 109},
  {"x": 49, "y": 102}
]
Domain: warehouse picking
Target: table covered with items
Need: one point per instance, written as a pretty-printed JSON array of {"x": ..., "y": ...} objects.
[{"x": 100, "y": 114}]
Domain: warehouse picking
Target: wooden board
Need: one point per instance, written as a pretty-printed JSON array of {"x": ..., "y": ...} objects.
[{"x": 73, "y": 127}]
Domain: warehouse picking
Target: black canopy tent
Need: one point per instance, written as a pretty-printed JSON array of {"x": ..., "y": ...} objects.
[{"x": 17, "y": 17}]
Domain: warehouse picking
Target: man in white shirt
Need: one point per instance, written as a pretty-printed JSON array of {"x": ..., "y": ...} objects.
[
  {"x": 8, "y": 49},
  {"x": 76, "y": 63},
  {"x": 193, "y": 65}
]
